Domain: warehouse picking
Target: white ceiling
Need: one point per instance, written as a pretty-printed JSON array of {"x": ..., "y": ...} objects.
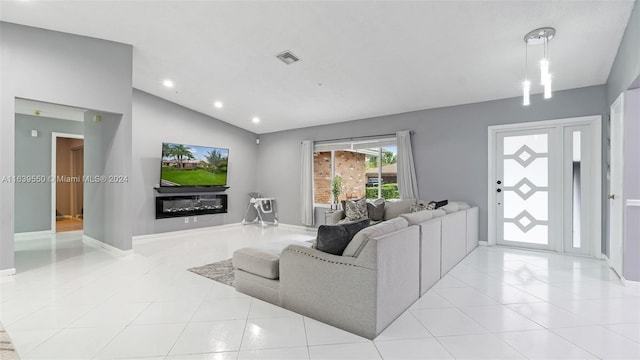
[{"x": 359, "y": 59}]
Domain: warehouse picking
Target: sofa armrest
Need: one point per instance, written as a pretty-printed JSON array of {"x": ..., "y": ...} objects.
[
  {"x": 362, "y": 294},
  {"x": 337, "y": 216},
  {"x": 330, "y": 288}
]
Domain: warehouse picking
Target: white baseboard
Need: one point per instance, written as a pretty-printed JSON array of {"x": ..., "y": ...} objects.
[
  {"x": 299, "y": 227},
  {"x": 93, "y": 242},
  {"x": 142, "y": 238},
  {"x": 625, "y": 282},
  {"x": 8, "y": 272},
  {"x": 630, "y": 283},
  {"x": 606, "y": 259},
  {"x": 30, "y": 235},
  {"x": 483, "y": 243}
]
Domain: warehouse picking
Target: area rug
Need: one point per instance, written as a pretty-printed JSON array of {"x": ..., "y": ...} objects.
[
  {"x": 7, "y": 350},
  {"x": 221, "y": 271}
]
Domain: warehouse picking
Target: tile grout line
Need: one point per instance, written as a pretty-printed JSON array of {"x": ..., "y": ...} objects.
[{"x": 306, "y": 335}]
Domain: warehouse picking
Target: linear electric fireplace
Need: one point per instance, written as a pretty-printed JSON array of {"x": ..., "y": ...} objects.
[{"x": 190, "y": 205}]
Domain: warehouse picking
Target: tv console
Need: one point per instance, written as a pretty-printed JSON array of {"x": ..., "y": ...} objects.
[{"x": 189, "y": 189}]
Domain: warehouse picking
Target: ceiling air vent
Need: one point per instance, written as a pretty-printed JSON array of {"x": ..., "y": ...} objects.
[{"x": 287, "y": 57}]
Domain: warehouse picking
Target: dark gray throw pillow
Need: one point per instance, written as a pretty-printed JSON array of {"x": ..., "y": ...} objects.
[
  {"x": 354, "y": 227},
  {"x": 441, "y": 203},
  {"x": 375, "y": 209},
  {"x": 437, "y": 204},
  {"x": 333, "y": 239}
]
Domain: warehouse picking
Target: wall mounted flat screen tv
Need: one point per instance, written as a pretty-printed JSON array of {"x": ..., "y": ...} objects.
[{"x": 190, "y": 165}]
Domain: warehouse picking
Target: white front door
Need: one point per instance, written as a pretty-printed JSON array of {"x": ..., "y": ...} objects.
[
  {"x": 616, "y": 207},
  {"x": 544, "y": 185},
  {"x": 526, "y": 188}
]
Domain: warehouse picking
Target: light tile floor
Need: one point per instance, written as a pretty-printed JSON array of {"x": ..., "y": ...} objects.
[{"x": 71, "y": 301}]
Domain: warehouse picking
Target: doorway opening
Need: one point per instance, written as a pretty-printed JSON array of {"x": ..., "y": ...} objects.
[{"x": 67, "y": 190}]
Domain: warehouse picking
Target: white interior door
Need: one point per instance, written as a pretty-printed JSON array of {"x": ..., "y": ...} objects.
[
  {"x": 525, "y": 188},
  {"x": 616, "y": 185}
]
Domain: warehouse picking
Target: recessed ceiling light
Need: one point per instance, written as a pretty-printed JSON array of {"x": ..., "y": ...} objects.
[
  {"x": 168, "y": 83},
  {"x": 218, "y": 104},
  {"x": 255, "y": 119}
]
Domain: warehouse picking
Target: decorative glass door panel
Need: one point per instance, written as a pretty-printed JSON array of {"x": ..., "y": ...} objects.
[
  {"x": 524, "y": 188},
  {"x": 577, "y": 187}
]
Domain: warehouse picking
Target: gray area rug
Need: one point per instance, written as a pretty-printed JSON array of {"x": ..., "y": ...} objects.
[
  {"x": 7, "y": 350},
  {"x": 221, "y": 271}
]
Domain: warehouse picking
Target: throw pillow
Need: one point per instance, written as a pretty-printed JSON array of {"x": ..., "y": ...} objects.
[
  {"x": 437, "y": 204},
  {"x": 354, "y": 227},
  {"x": 333, "y": 239},
  {"x": 417, "y": 217},
  {"x": 451, "y": 207},
  {"x": 375, "y": 209},
  {"x": 393, "y": 208},
  {"x": 356, "y": 210}
]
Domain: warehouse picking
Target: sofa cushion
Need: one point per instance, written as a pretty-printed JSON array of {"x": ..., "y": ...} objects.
[
  {"x": 356, "y": 210},
  {"x": 333, "y": 239},
  {"x": 393, "y": 208},
  {"x": 438, "y": 213},
  {"x": 362, "y": 237},
  {"x": 375, "y": 209},
  {"x": 262, "y": 262},
  {"x": 450, "y": 207},
  {"x": 463, "y": 205},
  {"x": 418, "y": 217}
]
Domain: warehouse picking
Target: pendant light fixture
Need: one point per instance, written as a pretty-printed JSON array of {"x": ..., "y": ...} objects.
[
  {"x": 526, "y": 84},
  {"x": 540, "y": 36}
]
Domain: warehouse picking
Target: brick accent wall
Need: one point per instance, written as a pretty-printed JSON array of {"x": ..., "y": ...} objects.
[
  {"x": 322, "y": 177},
  {"x": 350, "y": 165}
]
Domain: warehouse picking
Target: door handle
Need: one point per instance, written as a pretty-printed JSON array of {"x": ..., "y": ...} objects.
[
  {"x": 499, "y": 190},
  {"x": 611, "y": 197}
]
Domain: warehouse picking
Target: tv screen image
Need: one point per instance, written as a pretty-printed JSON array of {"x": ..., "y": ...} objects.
[{"x": 190, "y": 165}]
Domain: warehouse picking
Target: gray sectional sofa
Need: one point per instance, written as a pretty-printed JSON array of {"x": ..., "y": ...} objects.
[{"x": 384, "y": 269}]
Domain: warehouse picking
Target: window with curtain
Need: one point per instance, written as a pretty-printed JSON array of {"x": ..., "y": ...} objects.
[{"x": 367, "y": 167}]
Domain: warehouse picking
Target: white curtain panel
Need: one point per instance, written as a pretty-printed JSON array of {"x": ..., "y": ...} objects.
[
  {"x": 306, "y": 183},
  {"x": 407, "y": 183}
]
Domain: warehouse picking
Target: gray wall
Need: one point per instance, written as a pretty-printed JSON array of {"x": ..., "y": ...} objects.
[
  {"x": 449, "y": 146},
  {"x": 624, "y": 75},
  {"x": 107, "y": 215},
  {"x": 626, "y": 67},
  {"x": 70, "y": 70},
  {"x": 157, "y": 121},
  {"x": 33, "y": 157},
  {"x": 631, "y": 259}
]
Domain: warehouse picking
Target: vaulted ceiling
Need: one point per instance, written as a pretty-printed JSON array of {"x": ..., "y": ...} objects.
[{"x": 358, "y": 59}]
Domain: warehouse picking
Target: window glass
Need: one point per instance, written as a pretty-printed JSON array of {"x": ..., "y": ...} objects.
[{"x": 360, "y": 168}]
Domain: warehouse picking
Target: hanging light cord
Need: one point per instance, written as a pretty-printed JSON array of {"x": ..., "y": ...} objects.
[
  {"x": 526, "y": 60},
  {"x": 546, "y": 41}
]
